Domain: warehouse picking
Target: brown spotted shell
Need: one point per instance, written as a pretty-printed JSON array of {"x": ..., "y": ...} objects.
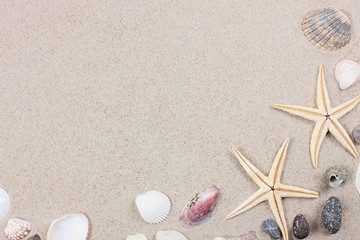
[
  {"x": 328, "y": 29},
  {"x": 17, "y": 229}
]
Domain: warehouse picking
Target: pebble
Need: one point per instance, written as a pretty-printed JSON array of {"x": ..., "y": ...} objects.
[
  {"x": 269, "y": 226},
  {"x": 356, "y": 134},
  {"x": 301, "y": 227},
  {"x": 331, "y": 215},
  {"x": 35, "y": 237}
]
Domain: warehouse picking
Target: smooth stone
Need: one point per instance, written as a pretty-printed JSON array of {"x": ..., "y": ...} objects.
[
  {"x": 5, "y": 204},
  {"x": 301, "y": 227},
  {"x": 331, "y": 216},
  {"x": 356, "y": 134},
  {"x": 269, "y": 226},
  {"x": 35, "y": 237}
]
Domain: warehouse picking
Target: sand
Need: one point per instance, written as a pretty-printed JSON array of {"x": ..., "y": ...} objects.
[{"x": 102, "y": 101}]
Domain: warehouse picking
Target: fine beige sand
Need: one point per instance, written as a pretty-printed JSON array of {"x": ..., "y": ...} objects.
[{"x": 104, "y": 100}]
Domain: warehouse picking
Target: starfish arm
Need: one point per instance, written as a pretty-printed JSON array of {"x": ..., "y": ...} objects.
[
  {"x": 304, "y": 112},
  {"x": 291, "y": 191},
  {"x": 322, "y": 97},
  {"x": 318, "y": 135},
  {"x": 278, "y": 212},
  {"x": 277, "y": 167},
  {"x": 258, "y": 197},
  {"x": 341, "y": 135},
  {"x": 258, "y": 177},
  {"x": 343, "y": 109}
]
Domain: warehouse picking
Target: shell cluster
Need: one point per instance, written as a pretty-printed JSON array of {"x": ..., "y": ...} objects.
[
  {"x": 347, "y": 72},
  {"x": 70, "y": 227},
  {"x": 153, "y": 206},
  {"x": 328, "y": 29},
  {"x": 17, "y": 229}
]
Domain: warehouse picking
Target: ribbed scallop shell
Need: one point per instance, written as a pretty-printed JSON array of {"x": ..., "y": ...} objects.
[
  {"x": 17, "y": 229},
  {"x": 328, "y": 29},
  {"x": 153, "y": 206}
]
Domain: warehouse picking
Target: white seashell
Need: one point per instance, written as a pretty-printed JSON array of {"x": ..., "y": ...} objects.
[
  {"x": 17, "y": 229},
  {"x": 347, "y": 72},
  {"x": 248, "y": 236},
  {"x": 70, "y": 227},
  {"x": 153, "y": 206},
  {"x": 357, "y": 179},
  {"x": 170, "y": 235},
  {"x": 5, "y": 204},
  {"x": 137, "y": 236}
]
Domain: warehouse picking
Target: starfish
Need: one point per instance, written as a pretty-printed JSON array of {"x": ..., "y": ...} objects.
[
  {"x": 326, "y": 119},
  {"x": 270, "y": 188}
]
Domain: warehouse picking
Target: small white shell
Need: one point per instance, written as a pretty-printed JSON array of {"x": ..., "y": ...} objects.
[
  {"x": 170, "y": 235},
  {"x": 357, "y": 179},
  {"x": 137, "y": 236},
  {"x": 347, "y": 72},
  {"x": 70, "y": 227},
  {"x": 17, "y": 229},
  {"x": 153, "y": 206},
  {"x": 5, "y": 204}
]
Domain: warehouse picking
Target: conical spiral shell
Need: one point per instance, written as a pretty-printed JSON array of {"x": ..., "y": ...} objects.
[
  {"x": 153, "y": 206},
  {"x": 328, "y": 29},
  {"x": 17, "y": 229}
]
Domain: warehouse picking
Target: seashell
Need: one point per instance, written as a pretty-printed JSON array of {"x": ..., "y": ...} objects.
[
  {"x": 35, "y": 237},
  {"x": 347, "y": 72},
  {"x": 200, "y": 208},
  {"x": 328, "y": 29},
  {"x": 357, "y": 179},
  {"x": 70, "y": 227},
  {"x": 153, "y": 206},
  {"x": 356, "y": 134},
  {"x": 170, "y": 235},
  {"x": 5, "y": 204},
  {"x": 137, "y": 236},
  {"x": 17, "y": 229},
  {"x": 336, "y": 175},
  {"x": 248, "y": 236}
]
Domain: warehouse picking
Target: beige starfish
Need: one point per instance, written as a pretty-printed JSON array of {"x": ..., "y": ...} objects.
[
  {"x": 326, "y": 119},
  {"x": 270, "y": 188}
]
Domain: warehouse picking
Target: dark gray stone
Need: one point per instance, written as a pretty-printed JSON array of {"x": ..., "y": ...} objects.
[
  {"x": 269, "y": 226},
  {"x": 301, "y": 227},
  {"x": 356, "y": 134},
  {"x": 35, "y": 237},
  {"x": 331, "y": 215}
]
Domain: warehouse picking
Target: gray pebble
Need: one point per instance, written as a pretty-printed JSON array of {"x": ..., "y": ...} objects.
[
  {"x": 35, "y": 237},
  {"x": 269, "y": 226},
  {"x": 356, "y": 134},
  {"x": 332, "y": 215},
  {"x": 301, "y": 227}
]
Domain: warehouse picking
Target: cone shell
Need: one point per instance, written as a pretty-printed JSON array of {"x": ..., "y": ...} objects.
[
  {"x": 137, "y": 236},
  {"x": 170, "y": 235},
  {"x": 153, "y": 206},
  {"x": 70, "y": 227},
  {"x": 200, "y": 208},
  {"x": 328, "y": 29},
  {"x": 17, "y": 229}
]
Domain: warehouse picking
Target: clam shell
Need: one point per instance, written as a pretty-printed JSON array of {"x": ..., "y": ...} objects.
[
  {"x": 357, "y": 179},
  {"x": 5, "y": 204},
  {"x": 17, "y": 229},
  {"x": 200, "y": 208},
  {"x": 247, "y": 236},
  {"x": 328, "y": 29},
  {"x": 347, "y": 72},
  {"x": 70, "y": 227},
  {"x": 335, "y": 176},
  {"x": 170, "y": 235},
  {"x": 137, "y": 236},
  {"x": 153, "y": 206}
]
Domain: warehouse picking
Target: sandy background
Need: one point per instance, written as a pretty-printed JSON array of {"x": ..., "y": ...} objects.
[{"x": 102, "y": 101}]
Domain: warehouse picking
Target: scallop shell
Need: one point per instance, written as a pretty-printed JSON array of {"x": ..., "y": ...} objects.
[
  {"x": 335, "y": 176},
  {"x": 200, "y": 208},
  {"x": 328, "y": 29},
  {"x": 170, "y": 235},
  {"x": 248, "y": 236},
  {"x": 153, "y": 206},
  {"x": 357, "y": 179},
  {"x": 347, "y": 72},
  {"x": 70, "y": 227},
  {"x": 17, "y": 229},
  {"x": 137, "y": 236},
  {"x": 5, "y": 204}
]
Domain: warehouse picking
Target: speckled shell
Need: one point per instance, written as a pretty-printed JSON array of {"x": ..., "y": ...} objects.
[
  {"x": 17, "y": 229},
  {"x": 336, "y": 175},
  {"x": 328, "y": 29}
]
